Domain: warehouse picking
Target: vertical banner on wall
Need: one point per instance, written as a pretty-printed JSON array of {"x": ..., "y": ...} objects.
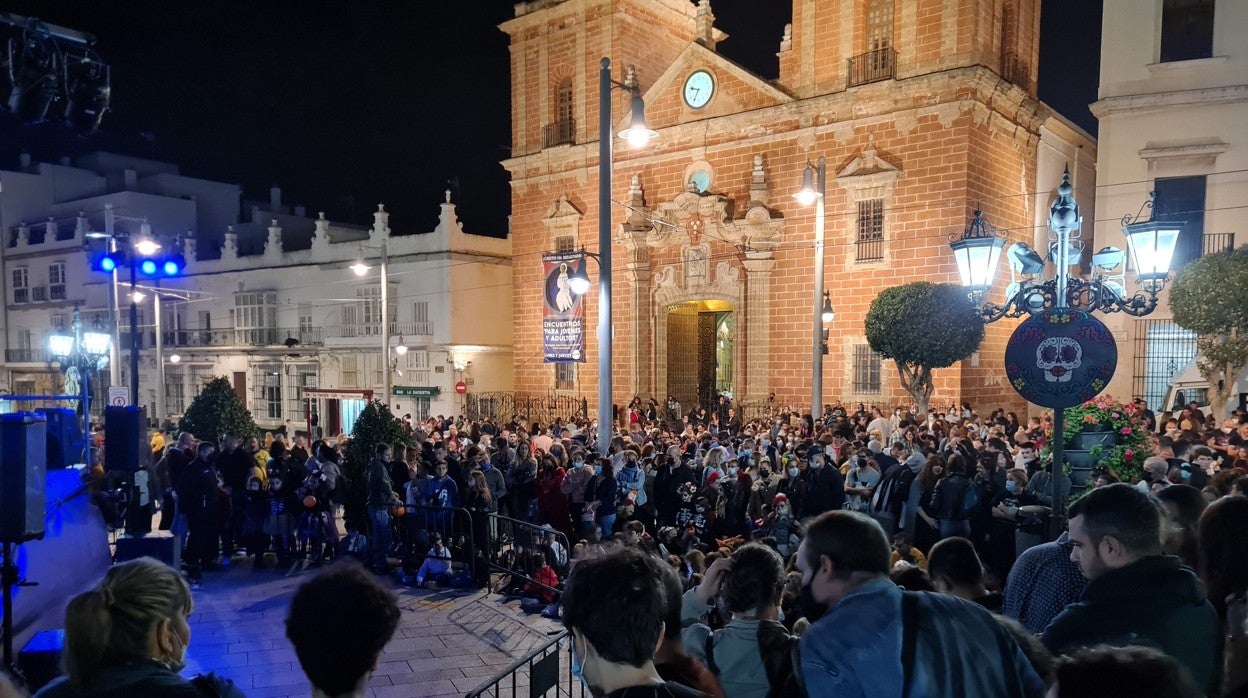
[{"x": 563, "y": 316}]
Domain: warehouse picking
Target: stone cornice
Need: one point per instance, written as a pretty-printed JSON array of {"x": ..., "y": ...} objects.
[
  {"x": 944, "y": 94},
  {"x": 1159, "y": 100}
]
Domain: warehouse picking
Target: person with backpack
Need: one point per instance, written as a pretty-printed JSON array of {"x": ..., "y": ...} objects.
[
  {"x": 955, "y": 499},
  {"x": 864, "y": 627},
  {"x": 752, "y": 656},
  {"x": 889, "y": 499}
]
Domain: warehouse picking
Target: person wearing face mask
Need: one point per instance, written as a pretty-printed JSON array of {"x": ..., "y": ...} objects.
[
  {"x": 793, "y": 487},
  {"x": 765, "y": 485},
  {"x": 824, "y": 485},
  {"x": 128, "y": 636},
  {"x": 780, "y": 525},
  {"x": 862, "y": 624},
  {"x": 614, "y": 607}
]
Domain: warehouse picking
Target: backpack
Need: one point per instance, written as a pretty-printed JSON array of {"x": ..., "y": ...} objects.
[{"x": 970, "y": 501}]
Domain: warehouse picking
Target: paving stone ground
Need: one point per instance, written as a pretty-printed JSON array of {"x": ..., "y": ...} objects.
[{"x": 448, "y": 642}]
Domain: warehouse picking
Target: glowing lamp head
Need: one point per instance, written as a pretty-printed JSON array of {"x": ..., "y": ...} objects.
[
  {"x": 147, "y": 247},
  {"x": 108, "y": 263},
  {"x": 61, "y": 345},
  {"x": 360, "y": 268},
  {"x": 578, "y": 283},
  {"x": 148, "y": 267},
  {"x": 808, "y": 194},
  {"x": 175, "y": 358},
  {"x": 638, "y": 134},
  {"x": 827, "y": 314},
  {"x": 96, "y": 343}
]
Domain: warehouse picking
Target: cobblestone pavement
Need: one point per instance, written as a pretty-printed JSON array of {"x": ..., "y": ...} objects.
[{"x": 448, "y": 642}]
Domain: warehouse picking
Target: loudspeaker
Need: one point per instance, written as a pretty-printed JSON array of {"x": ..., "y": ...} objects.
[
  {"x": 124, "y": 445},
  {"x": 162, "y": 545},
  {"x": 23, "y": 446},
  {"x": 65, "y": 443}
]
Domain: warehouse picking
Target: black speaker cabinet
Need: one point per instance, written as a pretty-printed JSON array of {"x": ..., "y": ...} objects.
[
  {"x": 23, "y": 445},
  {"x": 65, "y": 443},
  {"x": 124, "y": 445}
]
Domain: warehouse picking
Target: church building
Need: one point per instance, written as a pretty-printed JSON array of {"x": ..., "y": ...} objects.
[{"x": 923, "y": 111}]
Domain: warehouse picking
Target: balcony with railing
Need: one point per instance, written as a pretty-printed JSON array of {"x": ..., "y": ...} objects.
[
  {"x": 26, "y": 356},
  {"x": 561, "y": 132},
  {"x": 347, "y": 330},
  {"x": 873, "y": 66},
  {"x": 1213, "y": 243}
]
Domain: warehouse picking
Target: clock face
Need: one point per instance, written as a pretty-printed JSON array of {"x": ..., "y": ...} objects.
[{"x": 699, "y": 88}]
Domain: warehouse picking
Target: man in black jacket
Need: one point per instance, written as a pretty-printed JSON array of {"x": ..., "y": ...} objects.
[
  {"x": 199, "y": 501},
  {"x": 234, "y": 463},
  {"x": 1135, "y": 595},
  {"x": 825, "y": 488}
]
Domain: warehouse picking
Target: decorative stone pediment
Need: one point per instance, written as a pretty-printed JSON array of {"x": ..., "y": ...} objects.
[
  {"x": 670, "y": 289},
  {"x": 562, "y": 215},
  {"x": 868, "y": 176}
]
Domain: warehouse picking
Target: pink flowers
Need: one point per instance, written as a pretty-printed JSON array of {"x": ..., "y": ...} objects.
[
  {"x": 1128, "y": 454},
  {"x": 1090, "y": 419},
  {"x": 1115, "y": 415},
  {"x": 1126, "y": 431}
]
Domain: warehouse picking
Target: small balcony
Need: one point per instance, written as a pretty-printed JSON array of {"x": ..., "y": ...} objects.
[
  {"x": 1214, "y": 243},
  {"x": 561, "y": 132},
  {"x": 347, "y": 330},
  {"x": 873, "y": 66},
  {"x": 25, "y": 356}
]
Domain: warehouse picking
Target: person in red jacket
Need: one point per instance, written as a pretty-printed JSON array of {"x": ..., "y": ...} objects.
[{"x": 546, "y": 581}]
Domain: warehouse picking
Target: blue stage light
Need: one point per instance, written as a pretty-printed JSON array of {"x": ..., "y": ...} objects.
[{"x": 148, "y": 267}]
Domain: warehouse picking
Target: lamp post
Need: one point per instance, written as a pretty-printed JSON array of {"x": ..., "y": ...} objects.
[
  {"x": 638, "y": 134},
  {"x": 978, "y": 249},
  {"x": 360, "y": 269},
  {"x": 83, "y": 353},
  {"x": 814, "y": 183}
]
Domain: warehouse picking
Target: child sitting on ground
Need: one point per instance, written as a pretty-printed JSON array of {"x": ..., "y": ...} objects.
[
  {"x": 436, "y": 571},
  {"x": 541, "y": 592}
]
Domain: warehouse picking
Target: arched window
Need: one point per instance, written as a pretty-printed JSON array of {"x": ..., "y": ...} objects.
[{"x": 564, "y": 128}]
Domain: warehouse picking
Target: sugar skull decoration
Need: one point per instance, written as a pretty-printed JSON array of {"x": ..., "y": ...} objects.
[{"x": 1058, "y": 357}]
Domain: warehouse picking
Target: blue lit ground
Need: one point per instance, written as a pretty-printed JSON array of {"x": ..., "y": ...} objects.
[{"x": 447, "y": 643}]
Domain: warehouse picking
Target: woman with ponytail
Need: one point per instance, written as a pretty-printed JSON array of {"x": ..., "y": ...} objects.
[{"x": 127, "y": 637}]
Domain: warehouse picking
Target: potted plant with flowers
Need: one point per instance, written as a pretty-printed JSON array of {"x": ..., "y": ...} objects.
[{"x": 1104, "y": 433}]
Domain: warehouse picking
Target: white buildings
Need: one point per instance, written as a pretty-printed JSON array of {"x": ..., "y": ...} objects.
[
  {"x": 1173, "y": 111},
  {"x": 269, "y": 302}
]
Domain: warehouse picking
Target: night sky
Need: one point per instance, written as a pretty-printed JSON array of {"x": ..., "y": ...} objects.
[{"x": 347, "y": 104}]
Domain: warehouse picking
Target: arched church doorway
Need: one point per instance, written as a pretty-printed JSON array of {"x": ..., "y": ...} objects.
[{"x": 701, "y": 351}]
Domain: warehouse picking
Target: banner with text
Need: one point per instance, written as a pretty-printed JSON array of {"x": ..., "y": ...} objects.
[{"x": 563, "y": 317}]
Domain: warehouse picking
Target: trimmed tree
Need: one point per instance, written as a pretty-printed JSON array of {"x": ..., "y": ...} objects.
[
  {"x": 375, "y": 425},
  {"x": 217, "y": 411},
  {"x": 923, "y": 326},
  {"x": 1210, "y": 298}
]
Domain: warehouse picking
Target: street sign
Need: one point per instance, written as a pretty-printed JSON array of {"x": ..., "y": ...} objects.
[
  {"x": 416, "y": 391},
  {"x": 461, "y": 387},
  {"x": 118, "y": 395}
]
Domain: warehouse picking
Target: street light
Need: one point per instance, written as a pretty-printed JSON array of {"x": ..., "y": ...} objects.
[
  {"x": 83, "y": 353},
  {"x": 978, "y": 250},
  {"x": 638, "y": 135},
  {"x": 814, "y": 182},
  {"x": 360, "y": 268}
]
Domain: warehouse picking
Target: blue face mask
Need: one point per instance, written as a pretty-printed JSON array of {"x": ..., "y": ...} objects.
[
  {"x": 1010, "y": 485},
  {"x": 578, "y": 667},
  {"x": 792, "y": 472},
  {"x": 597, "y": 469}
]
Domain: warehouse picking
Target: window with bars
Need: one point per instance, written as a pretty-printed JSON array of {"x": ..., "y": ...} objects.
[
  {"x": 56, "y": 281},
  {"x": 866, "y": 370},
  {"x": 1162, "y": 350},
  {"x": 175, "y": 391},
  {"x": 565, "y": 243},
  {"x": 565, "y": 375},
  {"x": 268, "y": 395},
  {"x": 305, "y": 376},
  {"x": 422, "y": 407},
  {"x": 1186, "y": 30},
  {"x": 870, "y": 240},
  {"x": 21, "y": 285}
]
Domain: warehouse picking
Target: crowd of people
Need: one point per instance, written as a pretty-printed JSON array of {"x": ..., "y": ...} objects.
[{"x": 783, "y": 554}]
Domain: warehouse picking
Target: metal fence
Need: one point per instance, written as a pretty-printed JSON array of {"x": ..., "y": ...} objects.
[
  {"x": 455, "y": 525},
  {"x": 518, "y": 540},
  {"x": 543, "y": 672},
  {"x": 542, "y": 408}
]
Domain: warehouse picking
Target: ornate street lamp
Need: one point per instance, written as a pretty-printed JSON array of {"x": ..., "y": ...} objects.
[{"x": 1063, "y": 300}]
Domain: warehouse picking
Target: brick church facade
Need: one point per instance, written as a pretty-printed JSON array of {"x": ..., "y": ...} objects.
[{"x": 924, "y": 111}]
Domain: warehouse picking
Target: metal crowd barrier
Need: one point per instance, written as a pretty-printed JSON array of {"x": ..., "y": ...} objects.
[
  {"x": 547, "y": 674},
  {"x": 454, "y": 524},
  {"x": 524, "y": 538}
]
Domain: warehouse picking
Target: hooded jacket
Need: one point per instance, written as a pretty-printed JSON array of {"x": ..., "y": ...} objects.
[{"x": 1155, "y": 601}]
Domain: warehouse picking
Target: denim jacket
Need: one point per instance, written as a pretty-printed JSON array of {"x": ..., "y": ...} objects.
[{"x": 855, "y": 650}]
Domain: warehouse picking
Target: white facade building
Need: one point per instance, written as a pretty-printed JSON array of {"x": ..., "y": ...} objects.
[
  {"x": 1173, "y": 111},
  {"x": 269, "y": 302}
]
